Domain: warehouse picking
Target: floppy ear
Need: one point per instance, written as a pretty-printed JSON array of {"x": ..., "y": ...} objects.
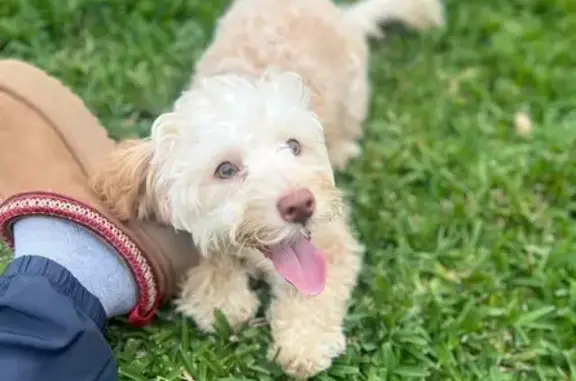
[{"x": 121, "y": 180}]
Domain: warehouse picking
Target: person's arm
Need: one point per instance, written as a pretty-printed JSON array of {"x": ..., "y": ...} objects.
[{"x": 51, "y": 327}]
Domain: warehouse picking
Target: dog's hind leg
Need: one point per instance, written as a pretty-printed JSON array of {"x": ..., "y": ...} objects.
[
  {"x": 217, "y": 283},
  {"x": 308, "y": 330}
]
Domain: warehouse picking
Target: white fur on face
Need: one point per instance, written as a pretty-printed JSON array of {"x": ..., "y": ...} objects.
[{"x": 228, "y": 118}]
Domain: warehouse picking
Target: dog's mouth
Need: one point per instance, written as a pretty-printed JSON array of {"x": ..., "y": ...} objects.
[{"x": 300, "y": 263}]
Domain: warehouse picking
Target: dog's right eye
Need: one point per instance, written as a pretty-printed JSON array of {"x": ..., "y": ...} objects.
[
  {"x": 294, "y": 146},
  {"x": 226, "y": 170}
]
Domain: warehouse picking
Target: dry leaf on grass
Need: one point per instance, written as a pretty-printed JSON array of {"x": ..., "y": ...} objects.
[
  {"x": 522, "y": 124},
  {"x": 186, "y": 376}
]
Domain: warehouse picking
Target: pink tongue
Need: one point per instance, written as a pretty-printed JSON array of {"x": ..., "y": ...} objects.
[{"x": 301, "y": 264}]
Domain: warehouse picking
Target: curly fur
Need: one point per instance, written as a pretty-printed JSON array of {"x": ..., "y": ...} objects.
[{"x": 275, "y": 70}]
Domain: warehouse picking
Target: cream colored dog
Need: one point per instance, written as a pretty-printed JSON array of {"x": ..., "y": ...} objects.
[{"x": 244, "y": 162}]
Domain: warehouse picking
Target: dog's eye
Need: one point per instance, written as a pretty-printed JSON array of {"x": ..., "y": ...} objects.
[
  {"x": 226, "y": 170},
  {"x": 294, "y": 146}
]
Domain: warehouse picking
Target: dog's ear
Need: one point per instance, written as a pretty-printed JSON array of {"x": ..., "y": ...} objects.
[{"x": 121, "y": 181}]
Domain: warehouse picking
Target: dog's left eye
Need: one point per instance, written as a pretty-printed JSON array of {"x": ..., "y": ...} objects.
[
  {"x": 294, "y": 146},
  {"x": 226, "y": 170}
]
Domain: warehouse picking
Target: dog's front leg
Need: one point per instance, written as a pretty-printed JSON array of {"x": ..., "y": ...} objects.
[
  {"x": 218, "y": 282},
  {"x": 307, "y": 330}
]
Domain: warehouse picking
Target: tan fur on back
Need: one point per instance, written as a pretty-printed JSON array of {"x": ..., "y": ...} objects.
[{"x": 307, "y": 37}]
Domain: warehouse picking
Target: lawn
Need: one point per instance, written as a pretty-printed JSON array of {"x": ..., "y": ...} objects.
[{"x": 470, "y": 272}]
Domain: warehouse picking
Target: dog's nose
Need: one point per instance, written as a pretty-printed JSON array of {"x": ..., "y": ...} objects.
[{"x": 297, "y": 206}]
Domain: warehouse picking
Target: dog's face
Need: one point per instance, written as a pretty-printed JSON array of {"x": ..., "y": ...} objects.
[{"x": 239, "y": 164}]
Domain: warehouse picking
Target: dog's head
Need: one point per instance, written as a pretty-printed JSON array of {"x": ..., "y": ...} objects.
[{"x": 237, "y": 164}]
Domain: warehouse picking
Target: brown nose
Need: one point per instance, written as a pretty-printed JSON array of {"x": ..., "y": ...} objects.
[{"x": 297, "y": 206}]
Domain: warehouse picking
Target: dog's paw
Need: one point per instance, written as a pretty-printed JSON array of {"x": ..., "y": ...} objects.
[
  {"x": 304, "y": 355},
  {"x": 238, "y": 307}
]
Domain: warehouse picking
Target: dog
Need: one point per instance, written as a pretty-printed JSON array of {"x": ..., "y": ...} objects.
[{"x": 245, "y": 160}]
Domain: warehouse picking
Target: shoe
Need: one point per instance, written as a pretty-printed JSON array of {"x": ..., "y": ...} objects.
[{"x": 50, "y": 142}]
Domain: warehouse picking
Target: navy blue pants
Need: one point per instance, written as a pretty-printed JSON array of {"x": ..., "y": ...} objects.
[{"x": 51, "y": 327}]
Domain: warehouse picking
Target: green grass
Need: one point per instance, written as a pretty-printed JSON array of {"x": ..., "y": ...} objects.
[{"x": 471, "y": 266}]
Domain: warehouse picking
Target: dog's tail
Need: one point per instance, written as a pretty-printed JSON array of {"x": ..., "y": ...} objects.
[{"x": 369, "y": 15}]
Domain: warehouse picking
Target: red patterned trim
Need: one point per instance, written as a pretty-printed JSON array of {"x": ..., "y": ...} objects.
[{"x": 50, "y": 204}]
